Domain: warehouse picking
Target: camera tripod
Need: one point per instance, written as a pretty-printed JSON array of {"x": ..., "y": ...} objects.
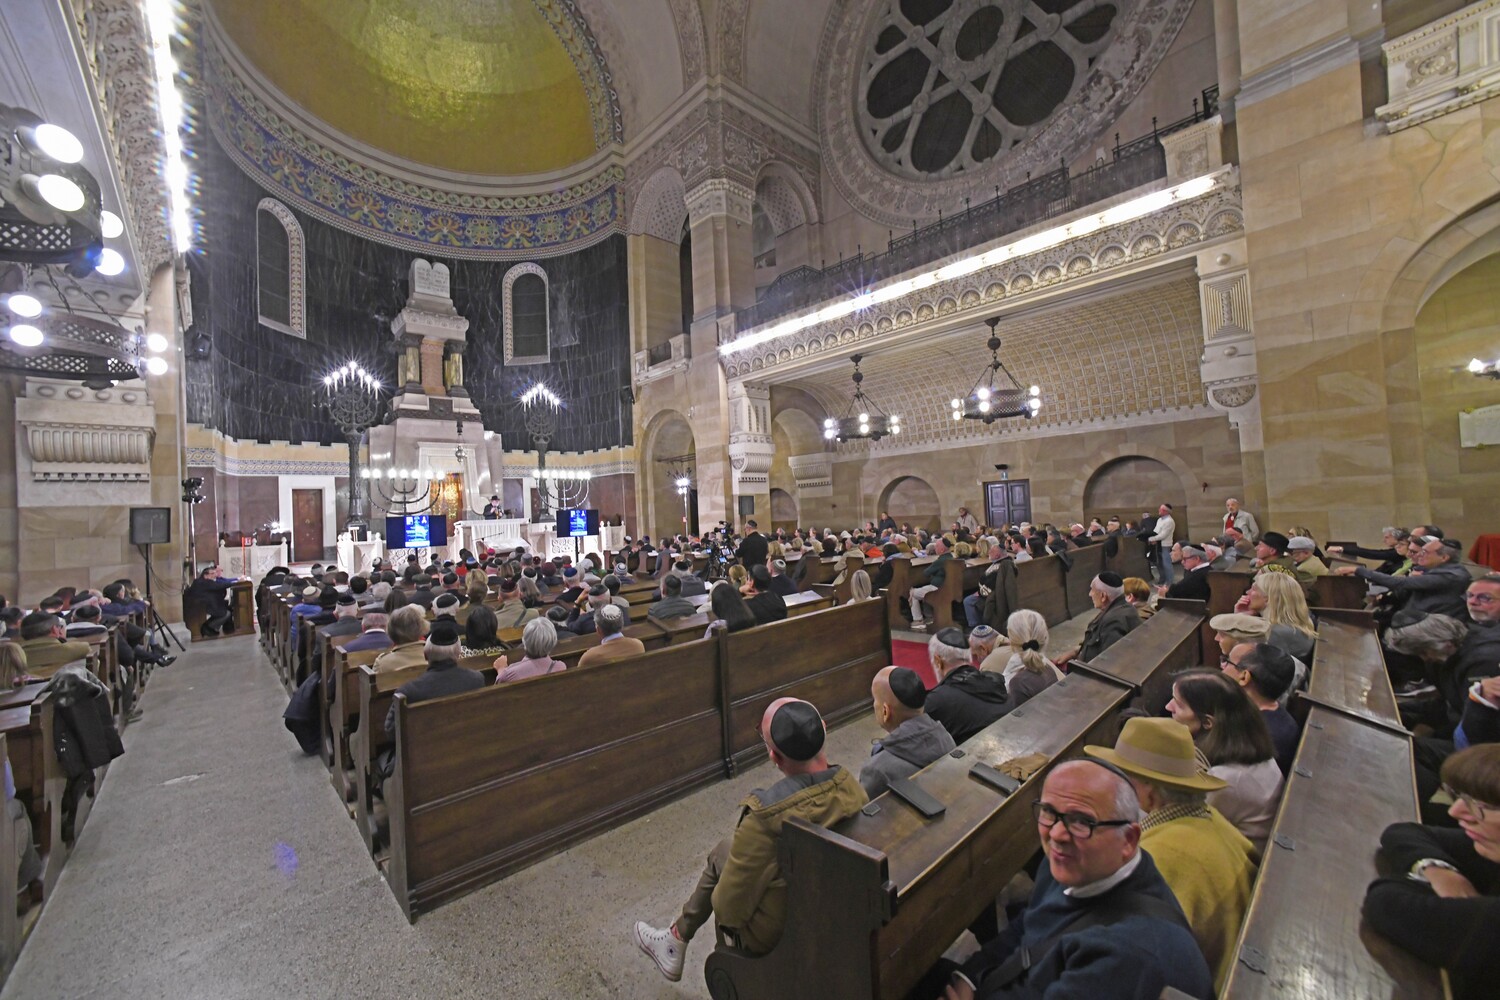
[{"x": 154, "y": 624}]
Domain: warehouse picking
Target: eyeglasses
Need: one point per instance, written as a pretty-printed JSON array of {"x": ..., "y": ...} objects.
[
  {"x": 1470, "y": 802},
  {"x": 1079, "y": 826},
  {"x": 1483, "y": 598}
]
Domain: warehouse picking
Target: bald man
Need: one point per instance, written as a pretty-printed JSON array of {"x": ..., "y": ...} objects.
[
  {"x": 741, "y": 886},
  {"x": 913, "y": 738}
]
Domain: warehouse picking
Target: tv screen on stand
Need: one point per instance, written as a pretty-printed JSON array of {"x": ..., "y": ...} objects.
[
  {"x": 416, "y": 531},
  {"x": 577, "y": 523}
]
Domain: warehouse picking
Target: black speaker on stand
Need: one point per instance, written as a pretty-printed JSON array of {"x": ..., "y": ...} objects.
[{"x": 153, "y": 526}]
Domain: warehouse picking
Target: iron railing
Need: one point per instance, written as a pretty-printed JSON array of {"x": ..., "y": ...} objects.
[{"x": 1038, "y": 199}]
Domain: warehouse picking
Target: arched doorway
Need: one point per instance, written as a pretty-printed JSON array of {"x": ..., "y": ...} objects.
[
  {"x": 1128, "y": 486},
  {"x": 910, "y": 498},
  {"x": 669, "y": 448}
]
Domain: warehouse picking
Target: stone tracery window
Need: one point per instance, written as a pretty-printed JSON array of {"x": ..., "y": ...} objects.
[
  {"x": 951, "y": 84},
  {"x": 528, "y": 322},
  {"x": 280, "y": 269}
]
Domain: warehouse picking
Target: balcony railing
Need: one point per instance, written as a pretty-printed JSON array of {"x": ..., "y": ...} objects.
[{"x": 1137, "y": 162}]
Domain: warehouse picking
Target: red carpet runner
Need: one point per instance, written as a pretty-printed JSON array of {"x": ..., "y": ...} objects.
[{"x": 906, "y": 653}]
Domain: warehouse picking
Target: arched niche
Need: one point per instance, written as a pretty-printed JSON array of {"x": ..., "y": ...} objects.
[
  {"x": 910, "y": 498},
  {"x": 1130, "y": 485},
  {"x": 783, "y": 509},
  {"x": 668, "y": 436}
]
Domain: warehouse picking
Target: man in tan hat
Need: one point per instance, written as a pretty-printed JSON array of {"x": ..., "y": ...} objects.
[{"x": 1207, "y": 862}]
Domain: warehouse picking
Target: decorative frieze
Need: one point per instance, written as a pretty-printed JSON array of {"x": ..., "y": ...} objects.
[
  {"x": 1446, "y": 65},
  {"x": 813, "y": 474},
  {"x": 83, "y": 446}
]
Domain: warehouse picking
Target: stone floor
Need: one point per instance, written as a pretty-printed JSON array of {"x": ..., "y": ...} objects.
[{"x": 219, "y": 863}]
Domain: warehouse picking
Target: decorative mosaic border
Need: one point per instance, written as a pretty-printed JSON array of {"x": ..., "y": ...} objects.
[
  {"x": 570, "y": 27},
  {"x": 377, "y": 206},
  {"x": 212, "y": 458}
]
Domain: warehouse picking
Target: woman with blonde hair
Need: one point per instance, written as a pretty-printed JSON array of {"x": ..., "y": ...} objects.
[
  {"x": 476, "y": 586},
  {"x": 859, "y": 587},
  {"x": 1029, "y": 672},
  {"x": 775, "y": 551},
  {"x": 12, "y": 665},
  {"x": 1277, "y": 597},
  {"x": 738, "y": 576},
  {"x": 1138, "y": 596}
]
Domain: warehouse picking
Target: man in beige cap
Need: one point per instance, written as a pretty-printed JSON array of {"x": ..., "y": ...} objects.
[{"x": 1206, "y": 862}]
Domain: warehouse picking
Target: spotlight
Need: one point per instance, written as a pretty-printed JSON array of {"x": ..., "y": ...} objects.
[
  {"x": 156, "y": 343},
  {"x": 156, "y": 366},
  {"x": 26, "y": 305},
  {"x": 26, "y": 335},
  {"x": 110, "y": 225},
  {"x": 59, "y": 192},
  {"x": 110, "y": 262},
  {"x": 57, "y": 142}
]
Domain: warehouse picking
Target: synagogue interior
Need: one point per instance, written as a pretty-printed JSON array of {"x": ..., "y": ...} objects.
[{"x": 431, "y": 426}]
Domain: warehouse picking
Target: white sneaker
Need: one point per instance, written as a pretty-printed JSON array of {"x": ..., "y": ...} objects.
[{"x": 662, "y": 945}]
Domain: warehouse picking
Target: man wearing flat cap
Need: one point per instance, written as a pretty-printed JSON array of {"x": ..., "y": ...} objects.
[
  {"x": 345, "y": 622},
  {"x": 913, "y": 738},
  {"x": 741, "y": 886},
  {"x": 1206, "y": 862},
  {"x": 1116, "y": 619},
  {"x": 1303, "y": 553},
  {"x": 1271, "y": 550}
]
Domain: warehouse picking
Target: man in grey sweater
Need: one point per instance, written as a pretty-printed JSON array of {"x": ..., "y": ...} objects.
[{"x": 914, "y": 739}]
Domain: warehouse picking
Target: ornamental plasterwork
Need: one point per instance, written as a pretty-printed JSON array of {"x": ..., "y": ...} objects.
[
  {"x": 688, "y": 18},
  {"x": 1181, "y": 227},
  {"x": 733, "y": 15},
  {"x": 1443, "y": 66},
  {"x": 1143, "y": 34},
  {"x": 397, "y": 211},
  {"x": 116, "y": 53}
]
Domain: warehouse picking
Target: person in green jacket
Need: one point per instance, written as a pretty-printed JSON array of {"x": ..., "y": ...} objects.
[{"x": 741, "y": 886}]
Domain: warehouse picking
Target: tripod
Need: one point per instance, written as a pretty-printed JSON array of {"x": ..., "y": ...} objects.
[{"x": 154, "y": 624}]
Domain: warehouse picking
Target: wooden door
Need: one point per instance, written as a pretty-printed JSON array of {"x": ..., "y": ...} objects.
[
  {"x": 1007, "y": 502},
  {"x": 307, "y": 525}
]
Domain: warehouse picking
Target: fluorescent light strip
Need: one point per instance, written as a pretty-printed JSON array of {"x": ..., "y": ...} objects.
[
  {"x": 161, "y": 23},
  {"x": 1136, "y": 208}
]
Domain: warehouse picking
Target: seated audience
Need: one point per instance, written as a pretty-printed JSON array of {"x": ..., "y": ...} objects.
[
  {"x": 1279, "y": 599},
  {"x": 1116, "y": 618},
  {"x": 932, "y": 577},
  {"x": 1265, "y": 673},
  {"x": 538, "y": 640},
  {"x": 479, "y": 633},
  {"x": 309, "y": 607},
  {"x": 45, "y": 643},
  {"x": 610, "y": 622},
  {"x": 913, "y": 738},
  {"x": 982, "y": 643},
  {"x": 373, "y": 634},
  {"x": 1441, "y": 901},
  {"x": 1271, "y": 550},
  {"x": 580, "y": 620},
  {"x": 1205, "y": 861},
  {"x": 672, "y": 604},
  {"x": 443, "y": 676},
  {"x": 345, "y": 622},
  {"x": 860, "y": 588},
  {"x": 513, "y": 611},
  {"x": 612, "y": 584},
  {"x": 729, "y": 610},
  {"x": 13, "y": 666},
  {"x": 1439, "y": 587},
  {"x": 1234, "y": 738},
  {"x": 764, "y": 603},
  {"x": 407, "y": 628},
  {"x": 1138, "y": 595},
  {"x": 1194, "y": 583},
  {"x": 1392, "y": 558},
  {"x": 1305, "y": 561},
  {"x": 741, "y": 886},
  {"x": 780, "y": 583},
  {"x": 1027, "y": 671},
  {"x": 965, "y": 700},
  {"x": 1102, "y": 921}
]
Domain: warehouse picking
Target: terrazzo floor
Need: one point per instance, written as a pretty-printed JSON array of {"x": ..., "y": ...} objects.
[{"x": 219, "y": 864}]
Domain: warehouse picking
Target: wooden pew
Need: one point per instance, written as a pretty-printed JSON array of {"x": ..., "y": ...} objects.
[
  {"x": 1088, "y": 562},
  {"x": 10, "y": 923},
  {"x": 1348, "y": 670},
  {"x": 1227, "y": 586},
  {"x": 1303, "y": 936},
  {"x": 873, "y": 903},
  {"x": 343, "y": 716},
  {"x": 1040, "y": 586}
]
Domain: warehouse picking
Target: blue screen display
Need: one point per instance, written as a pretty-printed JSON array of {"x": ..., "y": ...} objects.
[
  {"x": 418, "y": 531},
  {"x": 578, "y": 523}
]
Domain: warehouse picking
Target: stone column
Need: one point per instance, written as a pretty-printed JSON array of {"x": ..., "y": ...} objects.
[
  {"x": 1231, "y": 376},
  {"x": 750, "y": 447}
]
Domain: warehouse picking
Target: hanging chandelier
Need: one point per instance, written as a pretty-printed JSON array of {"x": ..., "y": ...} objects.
[
  {"x": 994, "y": 398},
  {"x": 863, "y": 418}
]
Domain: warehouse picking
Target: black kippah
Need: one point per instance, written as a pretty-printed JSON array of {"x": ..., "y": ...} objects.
[
  {"x": 1111, "y": 579},
  {"x": 908, "y": 687},
  {"x": 797, "y": 731}
]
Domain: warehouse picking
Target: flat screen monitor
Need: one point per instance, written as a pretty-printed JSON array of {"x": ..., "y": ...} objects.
[
  {"x": 416, "y": 531},
  {"x": 577, "y": 523}
]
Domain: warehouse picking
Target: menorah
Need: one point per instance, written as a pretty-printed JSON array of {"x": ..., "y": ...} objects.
[
  {"x": 399, "y": 492},
  {"x": 353, "y": 400},
  {"x": 556, "y": 489}
]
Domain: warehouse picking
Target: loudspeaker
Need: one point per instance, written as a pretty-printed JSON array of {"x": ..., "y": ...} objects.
[{"x": 150, "y": 525}]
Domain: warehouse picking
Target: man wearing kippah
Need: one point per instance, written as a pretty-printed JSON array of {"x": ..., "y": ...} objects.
[
  {"x": 443, "y": 676},
  {"x": 614, "y": 644},
  {"x": 913, "y": 738},
  {"x": 1116, "y": 619},
  {"x": 741, "y": 886}
]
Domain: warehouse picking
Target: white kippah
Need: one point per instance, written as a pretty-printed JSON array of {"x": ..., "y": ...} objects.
[{"x": 611, "y": 613}]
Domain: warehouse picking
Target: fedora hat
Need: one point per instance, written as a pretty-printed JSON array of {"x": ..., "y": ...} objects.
[{"x": 1161, "y": 751}]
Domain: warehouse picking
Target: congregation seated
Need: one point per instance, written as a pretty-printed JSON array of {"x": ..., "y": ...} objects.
[
  {"x": 986, "y": 650},
  {"x": 610, "y": 622},
  {"x": 1194, "y": 583},
  {"x": 1138, "y": 595},
  {"x": 741, "y": 886},
  {"x": 479, "y": 633},
  {"x": 1441, "y": 900},
  {"x": 45, "y": 643},
  {"x": 780, "y": 583},
  {"x": 1278, "y": 598},
  {"x": 1305, "y": 561},
  {"x": 538, "y": 640},
  {"x": 513, "y": 611},
  {"x": 764, "y": 603},
  {"x": 1027, "y": 670},
  {"x": 1205, "y": 861},
  {"x": 443, "y": 676},
  {"x": 407, "y": 629},
  {"x": 1393, "y": 556},
  {"x": 672, "y": 604},
  {"x": 913, "y": 738},
  {"x": 1437, "y": 589},
  {"x": 1233, "y": 737},
  {"x": 933, "y": 576},
  {"x": 373, "y": 634},
  {"x": 1101, "y": 920},
  {"x": 729, "y": 610},
  {"x": 580, "y": 619},
  {"x": 1116, "y": 618},
  {"x": 1265, "y": 673},
  {"x": 612, "y": 586},
  {"x": 965, "y": 699}
]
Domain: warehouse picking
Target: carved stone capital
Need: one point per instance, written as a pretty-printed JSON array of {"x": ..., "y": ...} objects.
[{"x": 719, "y": 196}]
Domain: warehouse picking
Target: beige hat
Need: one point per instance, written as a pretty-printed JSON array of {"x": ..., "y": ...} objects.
[
  {"x": 1246, "y": 628},
  {"x": 1161, "y": 751}
]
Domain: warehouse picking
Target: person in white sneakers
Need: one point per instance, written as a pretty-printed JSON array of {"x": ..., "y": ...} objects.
[{"x": 741, "y": 886}]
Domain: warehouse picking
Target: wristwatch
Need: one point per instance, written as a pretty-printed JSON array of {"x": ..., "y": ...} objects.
[{"x": 1419, "y": 870}]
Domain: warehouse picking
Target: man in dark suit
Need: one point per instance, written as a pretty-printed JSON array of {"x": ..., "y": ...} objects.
[
  {"x": 1194, "y": 583},
  {"x": 443, "y": 676},
  {"x": 423, "y": 595},
  {"x": 1116, "y": 618},
  {"x": 345, "y": 622},
  {"x": 764, "y": 603},
  {"x": 753, "y": 550}
]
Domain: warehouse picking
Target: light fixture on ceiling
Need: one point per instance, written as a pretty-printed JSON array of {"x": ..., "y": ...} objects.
[
  {"x": 110, "y": 225},
  {"x": 26, "y": 335},
  {"x": 24, "y": 304},
  {"x": 863, "y": 418},
  {"x": 995, "y": 398},
  {"x": 1484, "y": 369},
  {"x": 110, "y": 262},
  {"x": 49, "y": 203}
]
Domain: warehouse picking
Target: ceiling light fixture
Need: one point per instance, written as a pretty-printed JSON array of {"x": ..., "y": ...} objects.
[
  {"x": 56, "y": 142},
  {"x": 110, "y": 225},
  {"x": 992, "y": 400},
  {"x": 110, "y": 262},
  {"x": 161, "y": 19},
  {"x": 26, "y": 335},
  {"x": 1128, "y": 211},
  {"x": 24, "y": 304},
  {"x": 58, "y": 191},
  {"x": 863, "y": 418}
]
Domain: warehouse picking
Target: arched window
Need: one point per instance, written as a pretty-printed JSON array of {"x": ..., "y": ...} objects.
[
  {"x": 528, "y": 334},
  {"x": 280, "y": 269}
]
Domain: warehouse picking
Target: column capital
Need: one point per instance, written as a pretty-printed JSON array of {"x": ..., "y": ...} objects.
[{"x": 719, "y": 196}]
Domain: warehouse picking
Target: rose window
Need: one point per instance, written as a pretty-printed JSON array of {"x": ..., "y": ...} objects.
[{"x": 950, "y": 84}]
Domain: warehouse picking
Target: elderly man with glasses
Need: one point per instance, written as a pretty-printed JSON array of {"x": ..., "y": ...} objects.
[
  {"x": 1101, "y": 921},
  {"x": 1438, "y": 589}
]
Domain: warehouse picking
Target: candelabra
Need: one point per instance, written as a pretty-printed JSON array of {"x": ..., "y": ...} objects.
[
  {"x": 556, "y": 489},
  {"x": 353, "y": 401},
  {"x": 402, "y": 491}
]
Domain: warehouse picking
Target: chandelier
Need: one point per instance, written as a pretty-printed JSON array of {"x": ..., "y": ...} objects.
[
  {"x": 993, "y": 399},
  {"x": 556, "y": 489},
  {"x": 1484, "y": 369},
  {"x": 863, "y": 418}
]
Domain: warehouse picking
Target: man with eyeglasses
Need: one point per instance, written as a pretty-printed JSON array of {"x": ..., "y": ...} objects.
[
  {"x": 1436, "y": 585},
  {"x": 1102, "y": 921}
]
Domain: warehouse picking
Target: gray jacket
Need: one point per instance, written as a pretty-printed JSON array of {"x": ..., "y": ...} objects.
[{"x": 903, "y": 752}]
